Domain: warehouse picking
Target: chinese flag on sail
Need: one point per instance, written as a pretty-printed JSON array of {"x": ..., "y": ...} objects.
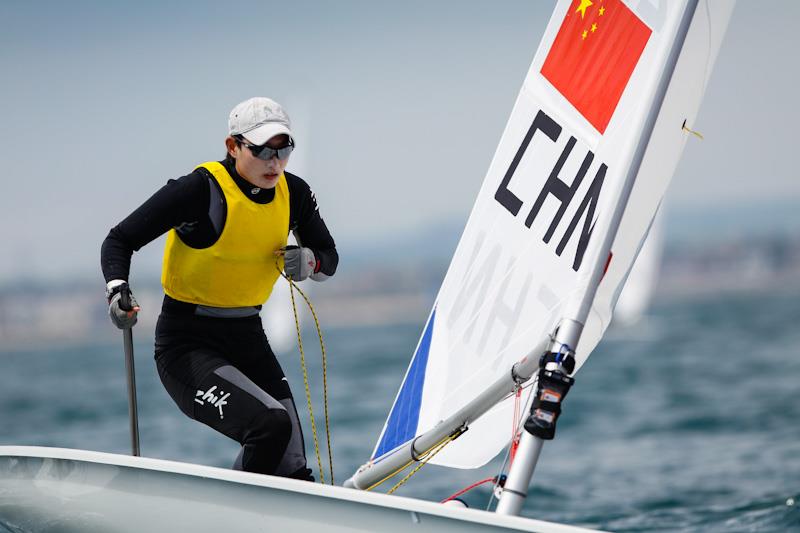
[{"x": 593, "y": 56}]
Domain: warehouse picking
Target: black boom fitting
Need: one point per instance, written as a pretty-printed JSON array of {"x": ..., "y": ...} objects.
[{"x": 553, "y": 386}]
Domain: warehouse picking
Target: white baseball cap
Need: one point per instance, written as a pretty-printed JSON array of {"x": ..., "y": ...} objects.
[{"x": 258, "y": 120}]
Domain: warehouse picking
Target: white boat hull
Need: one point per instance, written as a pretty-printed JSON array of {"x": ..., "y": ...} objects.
[{"x": 62, "y": 490}]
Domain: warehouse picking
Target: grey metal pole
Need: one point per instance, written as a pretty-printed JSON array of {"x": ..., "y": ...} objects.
[
  {"x": 515, "y": 490},
  {"x": 133, "y": 416},
  {"x": 569, "y": 331}
]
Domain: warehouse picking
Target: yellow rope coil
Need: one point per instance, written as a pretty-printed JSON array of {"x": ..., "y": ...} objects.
[
  {"x": 292, "y": 287},
  {"x": 324, "y": 371},
  {"x": 423, "y": 458}
]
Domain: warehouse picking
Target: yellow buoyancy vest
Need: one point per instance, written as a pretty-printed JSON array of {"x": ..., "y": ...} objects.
[{"x": 239, "y": 269}]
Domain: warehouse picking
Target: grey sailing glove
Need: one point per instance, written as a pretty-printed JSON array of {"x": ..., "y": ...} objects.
[
  {"x": 299, "y": 263},
  {"x": 122, "y": 306}
]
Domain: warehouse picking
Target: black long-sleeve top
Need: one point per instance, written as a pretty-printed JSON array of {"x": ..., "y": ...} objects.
[{"x": 195, "y": 206}]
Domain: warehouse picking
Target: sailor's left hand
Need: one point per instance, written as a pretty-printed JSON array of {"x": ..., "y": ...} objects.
[{"x": 298, "y": 262}]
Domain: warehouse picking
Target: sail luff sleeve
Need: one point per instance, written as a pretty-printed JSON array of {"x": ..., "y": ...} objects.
[{"x": 579, "y": 307}]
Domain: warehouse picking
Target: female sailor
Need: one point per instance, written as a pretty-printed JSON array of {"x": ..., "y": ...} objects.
[{"x": 228, "y": 223}]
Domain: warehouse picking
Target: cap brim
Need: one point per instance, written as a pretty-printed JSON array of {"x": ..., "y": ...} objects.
[{"x": 265, "y": 132}]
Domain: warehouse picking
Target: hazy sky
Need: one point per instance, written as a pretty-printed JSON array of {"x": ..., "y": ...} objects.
[{"x": 398, "y": 109}]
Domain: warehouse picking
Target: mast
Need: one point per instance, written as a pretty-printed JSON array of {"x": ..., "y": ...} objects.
[{"x": 571, "y": 326}]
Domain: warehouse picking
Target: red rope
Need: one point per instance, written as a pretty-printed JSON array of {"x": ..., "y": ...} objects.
[
  {"x": 462, "y": 491},
  {"x": 514, "y": 433},
  {"x": 514, "y": 446}
]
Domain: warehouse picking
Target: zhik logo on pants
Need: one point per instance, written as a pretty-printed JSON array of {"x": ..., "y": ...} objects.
[{"x": 203, "y": 397}]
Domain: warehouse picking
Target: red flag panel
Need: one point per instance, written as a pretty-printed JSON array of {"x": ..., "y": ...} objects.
[{"x": 593, "y": 56}]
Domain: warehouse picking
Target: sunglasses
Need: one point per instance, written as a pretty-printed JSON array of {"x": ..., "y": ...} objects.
[{"x": 265, "y": 152}]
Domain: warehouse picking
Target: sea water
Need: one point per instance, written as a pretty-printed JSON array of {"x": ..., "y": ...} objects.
[{"x": 687, "y": 421}]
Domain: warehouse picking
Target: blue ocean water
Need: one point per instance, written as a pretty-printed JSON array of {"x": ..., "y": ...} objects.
[{"x": 687, "y": 421}]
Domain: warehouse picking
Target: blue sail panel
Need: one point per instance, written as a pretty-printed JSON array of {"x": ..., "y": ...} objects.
[{"x": 402, "y": 423}]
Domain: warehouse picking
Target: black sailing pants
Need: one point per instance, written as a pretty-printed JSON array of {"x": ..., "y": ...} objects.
[{"x": 223, "y": 373}]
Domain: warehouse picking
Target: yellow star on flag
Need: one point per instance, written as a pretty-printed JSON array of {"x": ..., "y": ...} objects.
[
  {"x": 601, "y": 11},
  {"x": 594, "y": 28},
  {"x": 584, "y": 34},
  {"x": 585, "y": 4}
]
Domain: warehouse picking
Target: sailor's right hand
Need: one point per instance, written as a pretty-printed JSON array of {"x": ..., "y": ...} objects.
[{"x": 122, "y": 306}]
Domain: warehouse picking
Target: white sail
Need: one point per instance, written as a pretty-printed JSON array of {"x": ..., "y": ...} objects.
[{"x": 546, "y": 203}]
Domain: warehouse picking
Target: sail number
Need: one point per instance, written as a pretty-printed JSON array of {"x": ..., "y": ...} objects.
[{"x": 558, "y": 188}]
